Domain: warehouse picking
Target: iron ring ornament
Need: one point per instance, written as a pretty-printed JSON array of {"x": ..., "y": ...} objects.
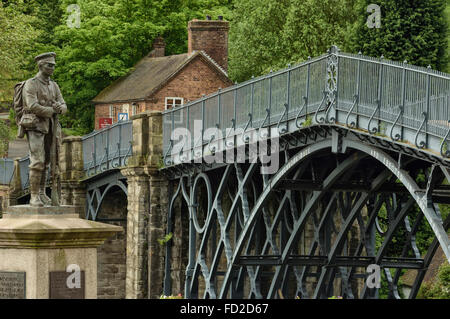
[
  {"x": 232, "y": 226},
  {"x": 286, "y": 216},
  {"x": 195, "y": 205}
]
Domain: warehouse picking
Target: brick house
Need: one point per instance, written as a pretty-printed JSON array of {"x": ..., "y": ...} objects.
[{"x": 159, "y": 82}]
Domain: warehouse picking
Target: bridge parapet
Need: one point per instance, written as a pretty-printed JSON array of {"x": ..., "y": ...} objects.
[
  {"x": 107, "y": 149},
  {"x": 398, "y": 102}
]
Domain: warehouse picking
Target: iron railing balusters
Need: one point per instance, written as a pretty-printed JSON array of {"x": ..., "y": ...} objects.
[
  {"x": 422, "y": 144},
  {"x": 444, "y": 149}
]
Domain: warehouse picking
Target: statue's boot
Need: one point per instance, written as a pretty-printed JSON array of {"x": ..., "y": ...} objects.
[
  {"x": 35, "y": 181},
  {"x": 42, "y": 195}
]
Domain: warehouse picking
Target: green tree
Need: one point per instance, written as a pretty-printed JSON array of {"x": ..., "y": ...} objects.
[
  {"x": 112, "y": 37},
  {"x": 256, "y": 37},
  {"x": 440, "y": 289},
  {"x": 268, "y": 34},
  {"x": 312, "y": 27},
  {"x": 410, "y": 30},
  {"x": 16, "y": 39}
]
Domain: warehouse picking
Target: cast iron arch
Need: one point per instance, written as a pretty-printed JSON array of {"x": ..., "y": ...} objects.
[
  {"x": 198, "y": 264},
  {"x": 429, "y": 212},
  {"x": 97, "y": 192}
]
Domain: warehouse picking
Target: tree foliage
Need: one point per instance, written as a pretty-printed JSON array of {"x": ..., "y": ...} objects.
[
  {"x": 112, "y": 37},
  {"x": 439, "y": 289},
  {"x": 415, "y": 31},
  {"x": 264, "y": 35},
  {"x": 269, "y": 34},
  {"x": 16, "y": 38}
]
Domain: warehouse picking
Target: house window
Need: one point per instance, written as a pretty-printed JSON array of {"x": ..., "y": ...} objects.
[
  {"x": 111, "y": 111},
  {"x": 172, "y": 102},
  {"x": 134, "y": 108}
]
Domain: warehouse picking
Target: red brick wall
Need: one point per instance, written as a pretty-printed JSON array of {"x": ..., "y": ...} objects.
[
  {"x": 194, "y": 80},
  {"x": 191, "y": 83},
  {"x": 210, "y": 36}
]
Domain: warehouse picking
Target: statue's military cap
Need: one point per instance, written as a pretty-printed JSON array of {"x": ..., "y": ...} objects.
[{"x": 48, "y": 57}]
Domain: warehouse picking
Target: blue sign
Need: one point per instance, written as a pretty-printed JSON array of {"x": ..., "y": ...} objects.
[{"x": 123, "y": 117}]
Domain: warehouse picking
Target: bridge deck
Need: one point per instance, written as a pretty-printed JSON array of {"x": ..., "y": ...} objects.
[{"x": 404, "y": 103}]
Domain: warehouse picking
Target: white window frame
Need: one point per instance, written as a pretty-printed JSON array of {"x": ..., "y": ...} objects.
[
  {"x": 181, "y": 112},
  {"x": 111, "y": 111}
]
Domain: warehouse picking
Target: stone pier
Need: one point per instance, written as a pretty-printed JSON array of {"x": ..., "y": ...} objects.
[
  {"x": 41, "y": 247},
  {"x": 147, "y": 204}
]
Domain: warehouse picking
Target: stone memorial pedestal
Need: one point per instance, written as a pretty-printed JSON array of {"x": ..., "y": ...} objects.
[{"x": 49, "y": 252}]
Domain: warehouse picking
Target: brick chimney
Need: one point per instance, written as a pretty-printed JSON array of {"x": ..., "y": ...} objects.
[
  {"x": 210, "y": 36},
  {"x": 159, "y": 48}
]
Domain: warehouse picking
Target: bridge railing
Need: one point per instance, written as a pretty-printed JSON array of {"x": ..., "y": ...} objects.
[
  {"x": 256, "y": 103},
  {"x": 102, "y": 150},
  {"x": 6, "y": 170},
  {"x": 108, "y": 148},
  {"x": 397, "y": 100},
  {"x": 24, "y": 163},
  {"x": 403, "y": 95}
]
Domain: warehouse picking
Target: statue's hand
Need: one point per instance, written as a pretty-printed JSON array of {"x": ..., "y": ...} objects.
[{"x": 57, "y": 107}]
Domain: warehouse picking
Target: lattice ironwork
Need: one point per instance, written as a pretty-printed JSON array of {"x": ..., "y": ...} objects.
[
  {"x": 98, "y": 188},
  {"x": 310, "y": 229}
]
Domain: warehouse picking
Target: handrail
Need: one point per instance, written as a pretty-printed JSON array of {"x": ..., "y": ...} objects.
[{"x": 307, "y": 79}]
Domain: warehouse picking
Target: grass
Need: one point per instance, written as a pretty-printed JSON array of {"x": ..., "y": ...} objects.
[
  {"x": 307, "y": 122},
  {"x": 12, "y": 132},
  {"x": 72, "y": 132}
]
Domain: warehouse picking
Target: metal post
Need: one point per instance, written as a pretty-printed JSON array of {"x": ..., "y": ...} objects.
[
  {"x": 119, "y": 145},
  {"x": 380, "y": 93},
  {"x": 288, "y": 99},
  {"x": 358, "y": 89},
  {"x": 403, "y": 99},
  {"x": 251, "y": 102},
  {"x": 428, "y": 104},
  {"x": 203, "y": 122},
  {"x": 187, "y": 128},
  {"x": 337, "y": 87},
  {"x": 307, "y": 88},
  {"x": 270, "y": 99},
  {"x": 234, "y": 117},
  {"x": 219, "y": 108},
  {"x": 192, "y": 246},
  {"x": 107, "y": 148},
  {"x": 171, "y": 131},
  {"x": 219, "y": 117},
  {"x": 94, "y": 154}
]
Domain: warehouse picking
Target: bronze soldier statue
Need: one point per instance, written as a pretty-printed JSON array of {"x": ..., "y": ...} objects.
[{"x": 42, "y": 102}]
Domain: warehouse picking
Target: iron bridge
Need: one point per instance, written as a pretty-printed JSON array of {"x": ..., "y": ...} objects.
[{"x": 361, "y": 158}]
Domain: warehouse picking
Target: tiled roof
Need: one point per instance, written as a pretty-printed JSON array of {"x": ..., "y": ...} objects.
[{"x": 148, "y": 76}]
